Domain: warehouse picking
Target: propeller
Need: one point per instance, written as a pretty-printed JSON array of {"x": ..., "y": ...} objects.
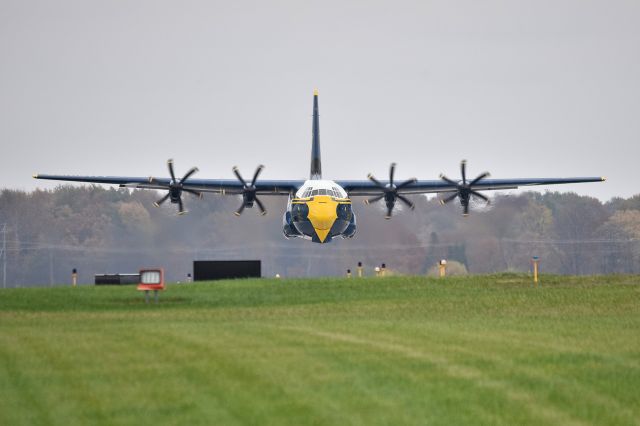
[
  {"x": 391, "y": 192},
  {"x": 249, "y": 192},
  {"x": 175, "y": 188},
  {"x": 464, "y": 189}
]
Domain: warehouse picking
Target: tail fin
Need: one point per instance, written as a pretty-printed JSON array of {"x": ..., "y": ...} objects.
[{"x": 316, "y": 167}]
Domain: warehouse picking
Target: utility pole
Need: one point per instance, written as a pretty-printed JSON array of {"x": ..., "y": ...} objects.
[
  {"x": 50, "y": 268},
  {"x": 4, "y": 255}
]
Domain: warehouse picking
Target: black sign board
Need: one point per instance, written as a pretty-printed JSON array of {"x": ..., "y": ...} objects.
[
  {"x": 117, "y": 279},
  {"x": 207, "y": 270}
]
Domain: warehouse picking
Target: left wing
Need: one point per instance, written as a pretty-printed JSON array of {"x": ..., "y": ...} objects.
[
  {"x": 463, "y": 189},
  {"x": 369, "y": 188}
]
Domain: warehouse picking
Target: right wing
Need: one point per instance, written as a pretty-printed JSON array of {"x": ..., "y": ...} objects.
[{"x": 220, "y": 186}]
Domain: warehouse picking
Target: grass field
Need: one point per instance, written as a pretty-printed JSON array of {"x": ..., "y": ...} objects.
[{"x": 476, "y": 350}]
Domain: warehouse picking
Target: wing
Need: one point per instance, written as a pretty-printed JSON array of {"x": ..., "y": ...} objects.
[
  {"x": 220, "y": 186},
  {"x": 368, "y": 188}
]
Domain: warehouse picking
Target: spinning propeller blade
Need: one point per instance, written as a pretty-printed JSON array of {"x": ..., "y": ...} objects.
[
  {"x": 391, "y": 191},
  {"x": 463, "y": 189},
  {"x": 249, "y": 191},
  {"x": 175, "y": 188}
]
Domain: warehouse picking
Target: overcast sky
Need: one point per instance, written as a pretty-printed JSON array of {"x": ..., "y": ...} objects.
[{"x": 518, "y": 88}]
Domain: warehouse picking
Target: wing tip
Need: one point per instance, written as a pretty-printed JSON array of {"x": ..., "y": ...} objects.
[
  {"x": 35, "y": 176},
  {"x": 315, "y": 92},
  {"x": 603, "y": 179}
]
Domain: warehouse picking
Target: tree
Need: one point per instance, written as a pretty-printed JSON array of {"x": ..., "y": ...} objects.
[
  {"x": 621, "y": 233},
  {"x": 576, "y": 219}
]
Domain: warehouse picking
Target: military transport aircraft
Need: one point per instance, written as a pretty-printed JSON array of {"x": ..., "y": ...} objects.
[{"x": 319, "y": 209}]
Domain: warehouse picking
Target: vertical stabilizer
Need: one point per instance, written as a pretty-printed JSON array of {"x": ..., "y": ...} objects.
[{"x": 316, "y": 168}]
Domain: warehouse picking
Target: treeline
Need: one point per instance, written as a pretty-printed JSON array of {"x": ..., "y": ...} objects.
[{"x": 98, "y": 230}]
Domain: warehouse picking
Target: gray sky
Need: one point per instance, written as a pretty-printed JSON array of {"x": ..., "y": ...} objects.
[{"x": 520, "y": 88}]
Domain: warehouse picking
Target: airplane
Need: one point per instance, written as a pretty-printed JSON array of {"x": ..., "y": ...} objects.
[{"x": 320, "y": 209}]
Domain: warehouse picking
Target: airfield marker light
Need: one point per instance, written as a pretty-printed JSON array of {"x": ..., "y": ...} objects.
[
  {"x": 377, "y": 269},
  {"x": 535, "y": 260},
  {"x": 74, "y": 277},
  {"x": 348, "y": 273},
  {"x": 151, "y": 280},
  {"x": 189, "y": 277},
  {"x": 383, "y": 269},
  {"x": 359, "y": 269},
  {"x": 442, "y": 267},
  {"x": 277, "y": 275}
]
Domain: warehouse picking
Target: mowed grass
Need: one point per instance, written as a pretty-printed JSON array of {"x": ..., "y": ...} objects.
[{"x": 396, "y": 350}]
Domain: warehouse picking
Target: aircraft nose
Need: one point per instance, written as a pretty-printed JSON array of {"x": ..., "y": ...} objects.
[{"x": 322, "y": 214}]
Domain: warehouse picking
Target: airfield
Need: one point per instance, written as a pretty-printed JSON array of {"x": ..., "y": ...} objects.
[{"x": 396, "y": 350}]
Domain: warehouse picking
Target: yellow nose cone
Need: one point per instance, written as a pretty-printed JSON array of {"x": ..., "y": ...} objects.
[{"x": 322, "y": 214}]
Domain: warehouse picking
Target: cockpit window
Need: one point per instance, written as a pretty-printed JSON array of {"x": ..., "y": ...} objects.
[{"x": 332, "y": 192}]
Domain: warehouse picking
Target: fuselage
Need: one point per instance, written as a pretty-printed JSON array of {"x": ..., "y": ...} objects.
[{"x": 319, "y": 211}]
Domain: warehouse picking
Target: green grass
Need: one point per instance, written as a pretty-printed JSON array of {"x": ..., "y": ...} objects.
[{"x": 398, "y": 350}]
